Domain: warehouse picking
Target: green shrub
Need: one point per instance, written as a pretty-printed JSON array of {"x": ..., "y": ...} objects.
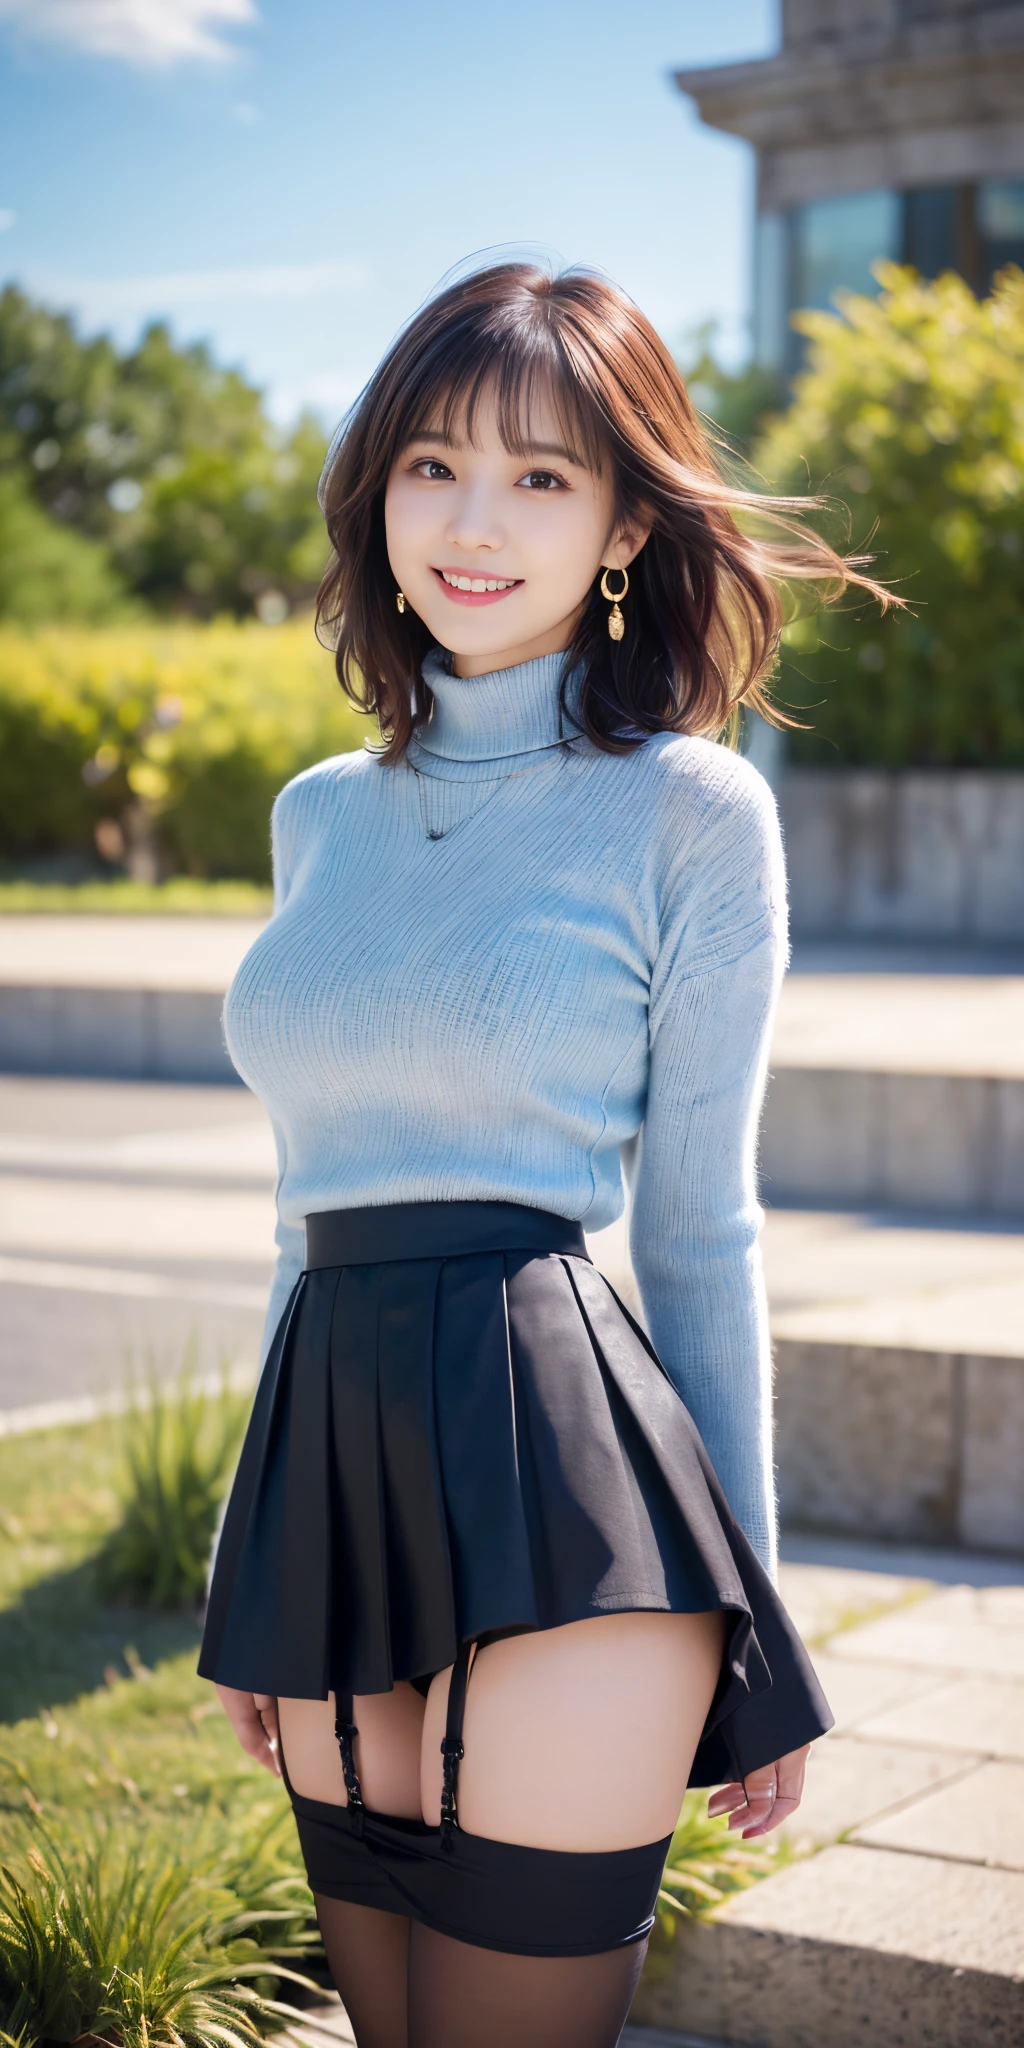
[
  {"x": 146, "y": 1942},
  {"x": 180, "y": 1445},
  {"x": 911, "y": 410},
  {"x": 177, "y": 738}
]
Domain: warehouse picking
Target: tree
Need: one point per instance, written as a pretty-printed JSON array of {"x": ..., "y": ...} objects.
[
  {"x": 737, "y": 401},
  {"x": 162, "y": 458},
  {"x": 910, "y": 414},
  {"x": 47, "y": 571}
]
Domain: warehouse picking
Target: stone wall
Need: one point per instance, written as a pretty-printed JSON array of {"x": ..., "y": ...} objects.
[{"x": 932, "y": 853}]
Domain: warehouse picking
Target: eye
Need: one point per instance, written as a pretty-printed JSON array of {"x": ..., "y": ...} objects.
[
  {"x": 541, "y": 480},
  {"x": 435, "y": 472}
]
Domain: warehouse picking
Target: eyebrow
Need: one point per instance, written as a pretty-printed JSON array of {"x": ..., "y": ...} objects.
[{"x": 530, "y": 448}]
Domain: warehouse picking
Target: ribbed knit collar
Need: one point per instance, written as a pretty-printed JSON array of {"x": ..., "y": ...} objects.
[{"x": 493, "y": 723}]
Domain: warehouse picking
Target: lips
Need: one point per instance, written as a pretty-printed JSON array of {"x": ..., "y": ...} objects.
[{"x": 478, "y": 592}]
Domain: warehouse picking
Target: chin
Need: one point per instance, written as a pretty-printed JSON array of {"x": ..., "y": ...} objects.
[{"x": 460, "y": 638}]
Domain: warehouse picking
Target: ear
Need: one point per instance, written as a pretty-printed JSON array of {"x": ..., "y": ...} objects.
[{"x": 627, "y": 540}]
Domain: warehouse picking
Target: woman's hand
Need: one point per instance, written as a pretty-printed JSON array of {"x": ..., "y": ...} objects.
[
  {"x": 765, "y": 1798},
  {"x": 253, "y": 1716}
]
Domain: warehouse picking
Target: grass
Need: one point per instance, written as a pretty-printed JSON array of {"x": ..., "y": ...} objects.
[
  {"x": 59, "y": 1639},
  {"x": 120, "y": 1781},
  {"x": 706, "y": 1864},
  {"x": 180, "y": 1442},
  {"x": 100, "y": 1707},
  {"x": 181, "y": 897},
  {"x": 126, "y": 1937},
  {"x": 151, "y": 1874}
]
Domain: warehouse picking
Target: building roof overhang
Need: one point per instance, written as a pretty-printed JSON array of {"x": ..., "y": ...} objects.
[{"x": 954, "y": 73}]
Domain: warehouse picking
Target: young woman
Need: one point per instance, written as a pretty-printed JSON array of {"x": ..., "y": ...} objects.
[{"x": 496, "y": 1578}]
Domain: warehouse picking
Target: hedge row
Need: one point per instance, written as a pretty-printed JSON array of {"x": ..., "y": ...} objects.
[{"x": 172, "y": 740}]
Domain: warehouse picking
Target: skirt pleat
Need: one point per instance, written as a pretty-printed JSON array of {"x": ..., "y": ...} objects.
[{"x": 445, "y": 1448}]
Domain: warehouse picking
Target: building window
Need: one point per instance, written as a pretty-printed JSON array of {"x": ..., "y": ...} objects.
[
  {"x": 930, "y": 229},
  {"x": 804, "y": 258},
  {"x": 1000, "y": 216},
  {"x": 835, "y": 242}
]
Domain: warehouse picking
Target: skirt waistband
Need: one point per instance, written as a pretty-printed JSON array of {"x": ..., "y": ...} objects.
[{"x": 435, "y": 1230}]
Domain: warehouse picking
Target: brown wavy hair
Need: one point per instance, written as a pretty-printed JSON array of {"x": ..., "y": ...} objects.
[{"x": 707, "y": 590}]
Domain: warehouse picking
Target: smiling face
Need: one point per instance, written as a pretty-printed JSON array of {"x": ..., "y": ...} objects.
[{"x": 497, "y": 551}]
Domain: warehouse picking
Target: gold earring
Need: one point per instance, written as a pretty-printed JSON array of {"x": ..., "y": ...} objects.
[
  {"x": 400, "y": 600},
  {"x": 616, "y": 622}
]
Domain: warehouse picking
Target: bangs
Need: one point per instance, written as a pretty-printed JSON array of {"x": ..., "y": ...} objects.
[{"x": 520, "y": 362}]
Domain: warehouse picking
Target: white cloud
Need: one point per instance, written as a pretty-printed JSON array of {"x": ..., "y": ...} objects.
[
  {"x": 120, "y": 298},
  {"x": 140, "y": 31},
  {"x": 7, "y": 219}
]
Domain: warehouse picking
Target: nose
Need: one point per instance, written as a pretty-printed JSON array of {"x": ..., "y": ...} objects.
[{"x": 473, "y": 522}]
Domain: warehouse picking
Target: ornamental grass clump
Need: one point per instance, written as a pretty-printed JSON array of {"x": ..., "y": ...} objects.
[
  {"x": 705, "y": 1865},
  {"x": 179, "y": 1447},
  {"x": 139, "y": 1945}
]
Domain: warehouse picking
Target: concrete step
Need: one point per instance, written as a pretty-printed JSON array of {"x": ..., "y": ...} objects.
[
  {"x": 901, "y": 1088},
  {"x": 135, "y": 998},
  {"x": 899, "y": 1361},
  {"x": 899, "y": 1374},
  {"x": 858, "y": 1945}
]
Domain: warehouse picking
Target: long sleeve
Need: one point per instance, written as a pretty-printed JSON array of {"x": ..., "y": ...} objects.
[
  {"x": 291, "y": 1257},
  {"x": 695, "y": 1217},
  {"x": 289, "y": 1238}
]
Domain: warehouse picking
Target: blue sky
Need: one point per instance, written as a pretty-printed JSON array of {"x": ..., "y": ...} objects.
[{"x": 289, "y": 178}]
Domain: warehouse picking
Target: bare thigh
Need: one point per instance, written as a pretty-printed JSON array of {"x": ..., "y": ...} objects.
[
  {"x": 387, "y": 1753},
  {"x": 582, "y": 1737}
]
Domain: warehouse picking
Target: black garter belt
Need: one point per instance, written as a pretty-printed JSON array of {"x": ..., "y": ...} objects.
[{"x": 496, "y": 1895}]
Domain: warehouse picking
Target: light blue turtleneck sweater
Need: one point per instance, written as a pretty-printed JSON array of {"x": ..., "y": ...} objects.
[{"x": 516, "y": 968}]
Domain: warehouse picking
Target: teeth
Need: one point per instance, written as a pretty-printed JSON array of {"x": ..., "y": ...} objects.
[{"x": 478, "y": 583}]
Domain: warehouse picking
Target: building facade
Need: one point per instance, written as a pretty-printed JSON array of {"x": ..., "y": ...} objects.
[{"x": 883, "y": 128}]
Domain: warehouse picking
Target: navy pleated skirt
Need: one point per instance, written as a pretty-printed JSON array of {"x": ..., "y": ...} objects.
[{"x": 461, "y": 1431}]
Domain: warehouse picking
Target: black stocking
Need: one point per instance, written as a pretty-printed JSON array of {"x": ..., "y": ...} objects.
[
  {"x": 368, "y": 1957},
  {"x": 465, "y": 1997}
]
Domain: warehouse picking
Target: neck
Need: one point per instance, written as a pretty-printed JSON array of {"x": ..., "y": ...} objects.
[{"x": 496, "y": 718}]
